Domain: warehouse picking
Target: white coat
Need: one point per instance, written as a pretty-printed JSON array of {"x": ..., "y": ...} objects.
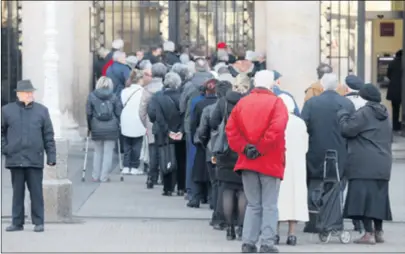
[
  {"x": 292, "y": 200},
  {"x": 131, "y": 123}
]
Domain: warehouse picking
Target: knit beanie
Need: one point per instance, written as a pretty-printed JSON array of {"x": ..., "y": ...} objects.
[
  {"x": 223, "y": 87},
  {"x": 370, "y": 92}
]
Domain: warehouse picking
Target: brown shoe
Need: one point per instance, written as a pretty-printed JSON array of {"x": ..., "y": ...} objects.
[
  {"x": 379, "y": 237},
  {"x": 367, "y": 238}
]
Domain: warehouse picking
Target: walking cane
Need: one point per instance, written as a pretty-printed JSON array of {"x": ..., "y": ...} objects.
[
  {"x": 85, "y": 157},
  {"x": 120, "y": 160}
]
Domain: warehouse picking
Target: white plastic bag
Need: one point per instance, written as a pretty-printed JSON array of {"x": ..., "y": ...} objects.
[{"x": 145, "y": 150}]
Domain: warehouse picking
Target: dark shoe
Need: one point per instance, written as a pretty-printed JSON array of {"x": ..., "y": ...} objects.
[
  {"x": 277, "y": 240},
  {"x": 211, "y": 207},
  {"x": 268, "y": 249},
  {"x": 379, "y": 237},
  {"x": 248, "y": 248},
  {"x": 204, "y": 201},
  {"x": 149, "y": 185},
  {"x": 239, "y": 233},
  {"x": 193, "y": 204},
  {"x": 367, "y": 238},
  {"x": 180, "y": 193},
  {"x": 39, "y": 228},
  {"x": 219, "y": 226},
  {"x": 167, "y": 193},
  {"x": 292, "y": 240},
  {"x": 13, "y": 228},
  {"x": 230, "y": 233}
]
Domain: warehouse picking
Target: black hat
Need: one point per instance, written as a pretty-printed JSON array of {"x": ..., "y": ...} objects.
[
  {"x": 354, "y": 82},
  {"x": 25, "y": 85},
  {"x": 370, "y": 92}
]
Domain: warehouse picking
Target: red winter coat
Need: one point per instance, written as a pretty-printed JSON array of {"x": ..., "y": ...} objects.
[
  {"x": 259, "y": 119},
  {"x": 106, "y": 66}
]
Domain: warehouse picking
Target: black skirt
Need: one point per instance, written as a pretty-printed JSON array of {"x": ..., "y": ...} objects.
[{"x": 368, "y": 198}]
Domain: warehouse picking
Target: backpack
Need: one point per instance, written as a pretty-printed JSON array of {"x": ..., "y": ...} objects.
[{"x": 104, "y": 110}]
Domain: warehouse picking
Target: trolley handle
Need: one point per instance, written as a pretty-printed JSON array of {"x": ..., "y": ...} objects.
[{"x": 331, "y": 155}]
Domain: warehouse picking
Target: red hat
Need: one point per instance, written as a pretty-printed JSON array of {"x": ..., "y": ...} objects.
[{"x": 221, "y": 45}]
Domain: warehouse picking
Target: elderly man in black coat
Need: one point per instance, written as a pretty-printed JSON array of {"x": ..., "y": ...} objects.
[
  {"x": 320, "y": 116},
  {"x": 26, "y": 132}
]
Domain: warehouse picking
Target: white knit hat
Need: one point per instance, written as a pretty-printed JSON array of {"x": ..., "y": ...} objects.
[{"x": 265, "y": 79}]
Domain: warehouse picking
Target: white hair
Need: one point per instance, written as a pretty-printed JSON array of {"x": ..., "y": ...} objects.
[
  {"x": 169, "y": 46},
  {"x": 184, "y": 58},
  {"x": 251, "y": 55},
  {"x": 103, "y": 52},
  {"x": 191, "y": 67},
  {"x": 132, "y": 61},
  {"x": 288, "y": 102},
  {"x": 222, "y": 55},
  {"x": 118, "y": 44},
  {"x": 118, "y": 55},
  {"x": 265, "y": 79},
  {"x": 104, "y": 82},
  {"x": 329, "y": 81}
]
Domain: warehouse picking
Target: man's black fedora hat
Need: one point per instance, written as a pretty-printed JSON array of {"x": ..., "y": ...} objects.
[{"x": 25, "y": 85}]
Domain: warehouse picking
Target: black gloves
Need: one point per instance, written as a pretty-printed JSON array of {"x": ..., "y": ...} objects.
[{"x": 251, "y": 152}]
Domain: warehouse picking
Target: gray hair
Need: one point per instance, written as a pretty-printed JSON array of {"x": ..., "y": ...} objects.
[
  {"x": 135, "y": 76},
  {"x": 159, "y": 70},
  {"x": 169, "y": 46},
  {"x": 184, "y": 58},
  {"x": 223, "y": 70},
  {"x": 329, "y": 81},
  {"x": 222, "y": 55},
  {"x": 201, "y": 65},
  {"x": 104, "y": 82},
  {"x": 103, "y": 52},
  {"x": 145, "y": 64},
  {"x": 172, "y": 80},
  {"x": 117, "y": 44},
  {"x": 118, "y": 55},
  {"x": 322, "y": 69},
  {"x": 182, "y": 70},
  {"x": 132, "y": 61}
]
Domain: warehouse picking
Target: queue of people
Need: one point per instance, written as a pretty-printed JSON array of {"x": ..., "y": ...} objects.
[
  {"x": 236, "y": 141},
  {"x": 223, "y": 134}
]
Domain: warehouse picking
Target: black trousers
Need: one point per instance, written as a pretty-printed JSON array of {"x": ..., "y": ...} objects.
[
  {"x": 132, "y": 152},
  {"x": 33, "y": 178},
  {"x": 179, "y": 175},
  {"x": 368, "y": 224},
  {"x": 396, "y": 124},
  {"x": 153, "y": 174}
]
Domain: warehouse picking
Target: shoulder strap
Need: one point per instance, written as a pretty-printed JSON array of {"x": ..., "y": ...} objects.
[
  {"x": 226, "y": 112},
  {"x": 129, "y": 98}
]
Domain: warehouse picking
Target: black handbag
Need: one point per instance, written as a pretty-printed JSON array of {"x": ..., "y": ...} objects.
[
  {"x": 220, "y": 145},
  {"x": 167, "y": 158}
]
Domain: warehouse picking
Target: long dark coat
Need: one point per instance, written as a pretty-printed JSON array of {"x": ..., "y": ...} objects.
[{"x": 200, "y": 172}]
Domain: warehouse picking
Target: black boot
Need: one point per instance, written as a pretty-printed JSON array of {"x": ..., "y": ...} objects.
[
  {"x": 167, "y": 193},
  {"x": 292, "y": 240},
  {"x": 149, "y": 183},
  {"x": 13, "y": 228},
  {"x": 248, "y": 248},
  {"x": 276, "y": 239},
  {"x": 230, "y": 233},
  {"x": 268, "y": 249},
  {"x": 193, "y": 203}
]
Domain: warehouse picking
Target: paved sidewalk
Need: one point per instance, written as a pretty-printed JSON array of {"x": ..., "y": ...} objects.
[{"x": 168, "y": 236}]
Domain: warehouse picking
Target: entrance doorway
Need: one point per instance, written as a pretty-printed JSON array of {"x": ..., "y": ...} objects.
[{"x": 384, "y": 36}]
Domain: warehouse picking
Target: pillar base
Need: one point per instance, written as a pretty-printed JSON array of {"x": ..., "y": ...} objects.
[{"x": 58, "y": 200}]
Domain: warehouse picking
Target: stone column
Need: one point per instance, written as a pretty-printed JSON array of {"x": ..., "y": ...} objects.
[
  {"x": 260, "y": 26},
  {"x": 292, "y": 30},
  {"x": 56, "y": 185}
]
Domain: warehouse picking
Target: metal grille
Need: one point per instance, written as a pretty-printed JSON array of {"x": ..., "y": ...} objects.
[
  {"x": 338, "y": 36},
  {"x": 196, "y": 25},
  {"x": 207, "y": 22},
  {"x": 11, "y": 45},
  {"x": 139, "y": 23}
]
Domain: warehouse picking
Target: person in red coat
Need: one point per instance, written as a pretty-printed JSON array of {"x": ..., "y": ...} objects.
[{"x": 255, "y": 130}]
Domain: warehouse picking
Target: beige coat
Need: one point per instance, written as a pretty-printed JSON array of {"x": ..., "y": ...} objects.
[
  {"x": 149, "y": 90},
  {"x": 316, "y": 89}
]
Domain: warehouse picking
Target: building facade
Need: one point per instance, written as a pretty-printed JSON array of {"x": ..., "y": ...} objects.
[{"x": 295, "y": 35}]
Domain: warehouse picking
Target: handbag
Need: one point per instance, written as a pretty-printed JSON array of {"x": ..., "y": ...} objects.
[
  {"x": 221, "y": 146},
  {"x": 167, "y": 158}
]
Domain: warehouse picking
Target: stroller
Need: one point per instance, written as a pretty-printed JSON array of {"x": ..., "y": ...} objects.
[{"x": 329, "y": 220}]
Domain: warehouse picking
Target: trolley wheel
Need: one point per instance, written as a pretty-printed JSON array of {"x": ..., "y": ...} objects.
[
  {"x": 324, "y": 237},
  {"x": 122, "y": 178},
  {"x": 345, "y": 237}
]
